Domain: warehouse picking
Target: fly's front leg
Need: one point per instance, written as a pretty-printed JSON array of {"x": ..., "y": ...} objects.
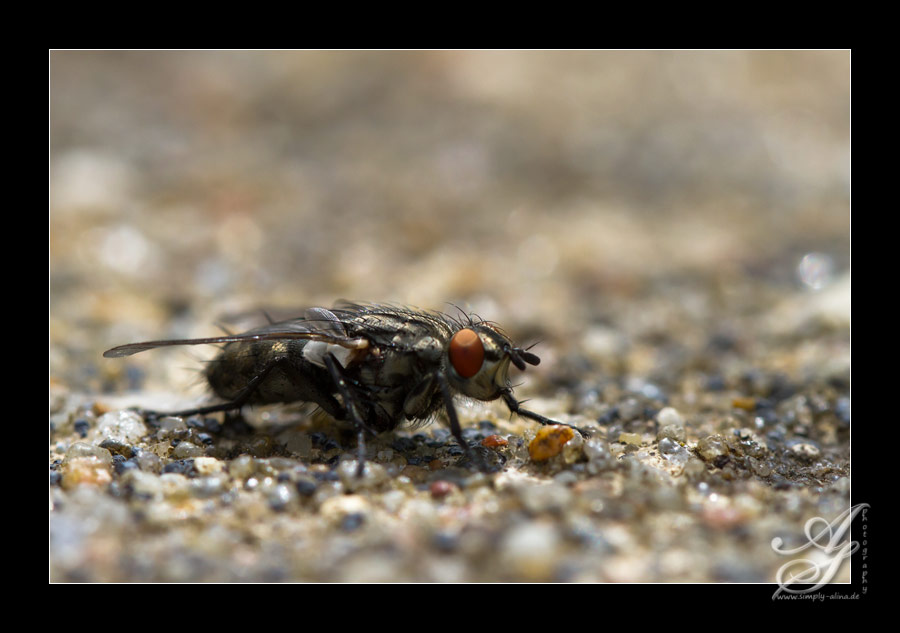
[
  {"x": 352, "y": 409},
  {"x": 514, "y": 407},
  {"x": 455, "y": 427}
]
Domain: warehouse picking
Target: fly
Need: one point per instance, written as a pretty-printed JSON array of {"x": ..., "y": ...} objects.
[{"x": 375, "y": 366}]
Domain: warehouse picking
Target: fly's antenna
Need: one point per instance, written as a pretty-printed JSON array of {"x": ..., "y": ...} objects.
[{"x": 519, "y": 357}]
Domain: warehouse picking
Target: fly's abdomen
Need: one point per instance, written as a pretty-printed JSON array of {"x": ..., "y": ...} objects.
[{"x": 274, "y": 371}]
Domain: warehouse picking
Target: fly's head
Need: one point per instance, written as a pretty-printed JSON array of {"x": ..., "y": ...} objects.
[{"x": 477, "y": 361}]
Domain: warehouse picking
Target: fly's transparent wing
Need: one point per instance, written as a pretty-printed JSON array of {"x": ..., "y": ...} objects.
[
  {"x": 318, "y": 325},
  {"x": 325, "y": 321}
]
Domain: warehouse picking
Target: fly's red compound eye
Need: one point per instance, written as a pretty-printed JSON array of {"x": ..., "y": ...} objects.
[{"x": 466, "y": 353}]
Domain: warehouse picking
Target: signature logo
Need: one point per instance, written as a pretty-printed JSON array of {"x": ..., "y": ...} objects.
[{"x": 829, "y": 539}]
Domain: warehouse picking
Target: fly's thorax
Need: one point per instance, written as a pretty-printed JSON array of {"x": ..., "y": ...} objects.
[
  {"x": 429, "y": 349},
  {"x": 395, "y": 328},
  {"x": 476, "y": 362}
]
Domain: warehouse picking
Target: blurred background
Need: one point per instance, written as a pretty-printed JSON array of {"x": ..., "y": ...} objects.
[{"x": 567, "y": 195}]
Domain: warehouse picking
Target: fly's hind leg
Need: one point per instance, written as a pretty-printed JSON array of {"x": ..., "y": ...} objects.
[
  {"x": 325, "y": 400},
  {"x": 351, "y": 409},
  {"x": 239, "y": 401}
]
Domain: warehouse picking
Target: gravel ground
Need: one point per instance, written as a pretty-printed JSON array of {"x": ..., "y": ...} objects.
[{"x": 671, "y": 228}]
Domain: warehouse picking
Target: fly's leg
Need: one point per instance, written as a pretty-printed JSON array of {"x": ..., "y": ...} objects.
[
  {"x": 352, "y": 410},
  {"x": 514, "y": 407},
  {"x": 241, "y": 399},
  {"x": 455, "y": 427},
  {"x": 325, "y": 400}
]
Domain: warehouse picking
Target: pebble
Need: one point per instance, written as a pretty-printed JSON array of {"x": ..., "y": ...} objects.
[
  {"x": 83, "y": 449},
  {"x": 373, "y": 474},
  {"x": 669, "y": 416},
  {"x": 530, "y": 551},
  {"x": 209, "y": 486},
  {"x": 82, "y": 426},
  {"x": 117, "y": 448},
  {"x": 711, "y": 447},
  {"x": 171, "y": 427},
  {"x": 630, "y": 409},
  {"x": 806, "y": 451},
  {"x": 149, "y": 462},
  {"x": 208, "y": 465},
  {"x": 544, "y": 497},
  {"x": 242, "y": 467},
  {"x": 337, "y": 508},
  {"x": 142, "y": 484},
  {"x": 573, "y": 450},
  {"x": 598, "y": 455},
  {"x": 842, "y": 410},
  {"x": 494, "y": 441},
  {"x": 180, "y": 466},
  {"x": 694, "y": 468},
  {"x": 445, "y": 542},
  {"x": 549, "y": 442},
  {"x": 352, "y": 522},
  {"x": 673, "y": 452},
  {"x": 673, "y": 432},
  {"x": 175, "y": 486},
  {"x": 261, "y": 445},
  {"x": 760, "y": 467},
  {"x": 123, "y": 426},
  {"x": 186, "y": 450},
  {"x": 667, "y": 445},
  {"x": 297, "y": 443},
  {"x": 633, "y": 439},
  {"x": 306, "y": 485},
  {"x": 282, "y": 496},
  {"x": 671, "y": 425},
  {"x": 441, "y": 488},
  {"x": 86, "y": 465}
]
